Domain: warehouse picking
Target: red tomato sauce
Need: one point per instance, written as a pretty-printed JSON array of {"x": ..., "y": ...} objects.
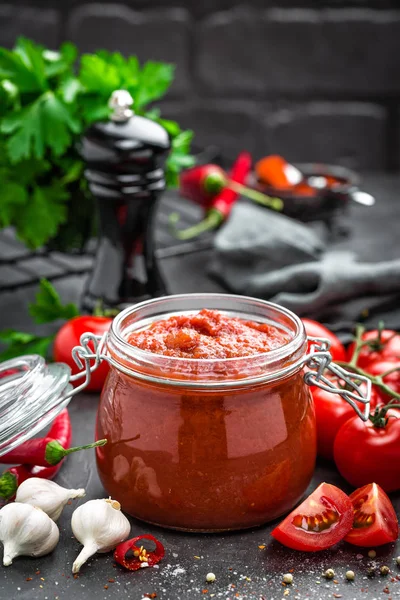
[
  {"x": 208, "y": 334},
  {"x": 206, "y": 459}
]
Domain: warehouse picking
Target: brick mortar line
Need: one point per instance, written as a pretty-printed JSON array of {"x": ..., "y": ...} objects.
[{"x": 18, "y": 286}]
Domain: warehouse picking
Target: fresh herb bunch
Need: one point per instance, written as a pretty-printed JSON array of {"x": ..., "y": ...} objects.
[{"x": 47, "y": 99}]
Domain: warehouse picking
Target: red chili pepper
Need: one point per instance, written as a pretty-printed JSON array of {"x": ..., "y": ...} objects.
[
  {"x": 61, "y": 428},
  {"x": 209, "y": 186},
  {"x": 60, "y": 435},
  {"x": 43, "y": 452},
  {"x": 14, "y": 476},
  {"x": 141, "y": 557}
]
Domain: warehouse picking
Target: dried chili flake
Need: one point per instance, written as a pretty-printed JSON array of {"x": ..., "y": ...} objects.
[
  {"x": 262, "y": 546},
  {"x": 111, "y": 580},
  {"x": 141, "y": 557},
  {"x": 151, "y": 595},
  {"x": 76, "y": 576},
  {"x": 28, "y": 579},
  {"x": 37, "y": 573},
  {"x": 204, "y": 591},
  {"x": 106, "y": 587}
]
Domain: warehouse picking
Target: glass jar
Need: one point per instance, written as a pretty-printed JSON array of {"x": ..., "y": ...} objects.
[{"x": 206, "y": 444}]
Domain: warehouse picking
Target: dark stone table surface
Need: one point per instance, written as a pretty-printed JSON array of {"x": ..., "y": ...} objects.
[{"x": 248, "y": 564}]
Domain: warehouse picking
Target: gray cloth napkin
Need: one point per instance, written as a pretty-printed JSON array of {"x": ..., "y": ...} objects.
[{"x": 267, "y": 255}]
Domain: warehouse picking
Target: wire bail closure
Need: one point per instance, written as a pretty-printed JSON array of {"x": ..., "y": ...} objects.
[{"x": 319, "y": 360}]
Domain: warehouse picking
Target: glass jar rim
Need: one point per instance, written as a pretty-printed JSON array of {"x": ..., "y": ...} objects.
[{"x": 137, "y": 362}]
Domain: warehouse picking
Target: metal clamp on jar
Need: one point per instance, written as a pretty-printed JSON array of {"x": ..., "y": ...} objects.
[{"x": 125, "y": 159}]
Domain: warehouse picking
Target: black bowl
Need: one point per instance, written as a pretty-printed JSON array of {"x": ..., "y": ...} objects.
[{"x": 326, "y": 202}]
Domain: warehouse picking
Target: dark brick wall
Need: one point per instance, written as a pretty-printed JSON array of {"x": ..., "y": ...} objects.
[{"x": 311, "y": 80}]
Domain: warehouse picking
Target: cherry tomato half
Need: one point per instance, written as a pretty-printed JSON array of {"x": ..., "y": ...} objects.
[
  {"x": 392, "y": 380},
  {"x": 69, "y": 336},
  {"x": 321, "y": 521},
  {"x": 385, "y": 347},
  {"x": 365, "y": 453},
  {"x": 331, "y": 411},
  {"x": 375, "y": 521},
  {"x": 315, "y": 329}
]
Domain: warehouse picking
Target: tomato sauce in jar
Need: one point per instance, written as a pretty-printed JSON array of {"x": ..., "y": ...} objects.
[{"x": 210, "y": 425}]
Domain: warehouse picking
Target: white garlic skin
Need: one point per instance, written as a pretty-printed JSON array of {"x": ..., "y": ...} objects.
[
  {"x": 100, "y": 526},
  {"x": 26, "y": 531},
  {"x": 47, "y": 495}
]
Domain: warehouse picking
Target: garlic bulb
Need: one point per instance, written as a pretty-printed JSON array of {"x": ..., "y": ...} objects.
[
  {"x": 26, "y": 531},
  {"x": 47, "y": 495},
  {"x": 100, "y": 526}
]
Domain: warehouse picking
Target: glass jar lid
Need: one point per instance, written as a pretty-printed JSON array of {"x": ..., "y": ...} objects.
[{"x": 32, "y": 394}]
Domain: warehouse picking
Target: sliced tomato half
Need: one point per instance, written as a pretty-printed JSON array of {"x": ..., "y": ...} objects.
[
  {"x": 375, "y": 521},
  {"x": 321, "y": 521}
]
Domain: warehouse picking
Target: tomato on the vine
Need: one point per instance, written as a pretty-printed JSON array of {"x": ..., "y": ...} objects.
[
  {"x": 331, "y": 411},
  {"x": 392, "y": 379},
  {"x": 370, "y": 451},
  {"x": 374, "y": 520},
  {"x": 321, "y": 521},
  {"x": 69, "y": 335},
  {"x": 383, "y": 345},
  {"x": 315, "y": 329}
]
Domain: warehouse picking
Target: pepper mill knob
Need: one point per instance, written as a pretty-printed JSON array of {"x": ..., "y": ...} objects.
[
  {"x": 125, "y": 159},
  {"x": 120, "y": 102}
]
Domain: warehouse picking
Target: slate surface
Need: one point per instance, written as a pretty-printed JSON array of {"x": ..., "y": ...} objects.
[{"x": 243, "y": 570}]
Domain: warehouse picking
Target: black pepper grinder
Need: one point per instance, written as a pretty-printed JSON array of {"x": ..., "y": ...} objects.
[{"x": 125, "y": 158}]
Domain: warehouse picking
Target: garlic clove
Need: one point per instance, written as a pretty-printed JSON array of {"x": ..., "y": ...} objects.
[
  {"x": 26, "y": 531},
  {"x": 47, "y": 495},
  {"x": 100, "y": 526}
]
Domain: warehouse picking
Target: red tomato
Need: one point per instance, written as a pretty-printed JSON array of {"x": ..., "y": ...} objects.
[
  {"x": 69, "y": 336},
  {"x": 315, "y": 329},
  {"x": 331, "y": 411},
  {"x": 365, "y": 453},
  {"x": 387, "y": 348},
  {"x": 321, "y": 521},
  {"x": 375, "y": 521},
  {"x": 392, "y": 380}
]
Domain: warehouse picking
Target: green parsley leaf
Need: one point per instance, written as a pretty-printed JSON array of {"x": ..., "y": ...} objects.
[
  {"x": 57, "y": 63},
  {"x": 42, "y": 216},
  {"x": 46, "y": 123},
  {"x": 48, "y": 306},
  {"x": 20, "y": 343},
  {"x": 31, "y": 55},
  {"x": 154, "y": 80},
  {"x": 179, "y": 158},
  {"x": 94, "y": 108},
  {"x": 69, "y": 89},
  {"x": 21, "y": 72},
  {"x": 99, "y": 76},
  {"x": 13, "y": 198}
]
